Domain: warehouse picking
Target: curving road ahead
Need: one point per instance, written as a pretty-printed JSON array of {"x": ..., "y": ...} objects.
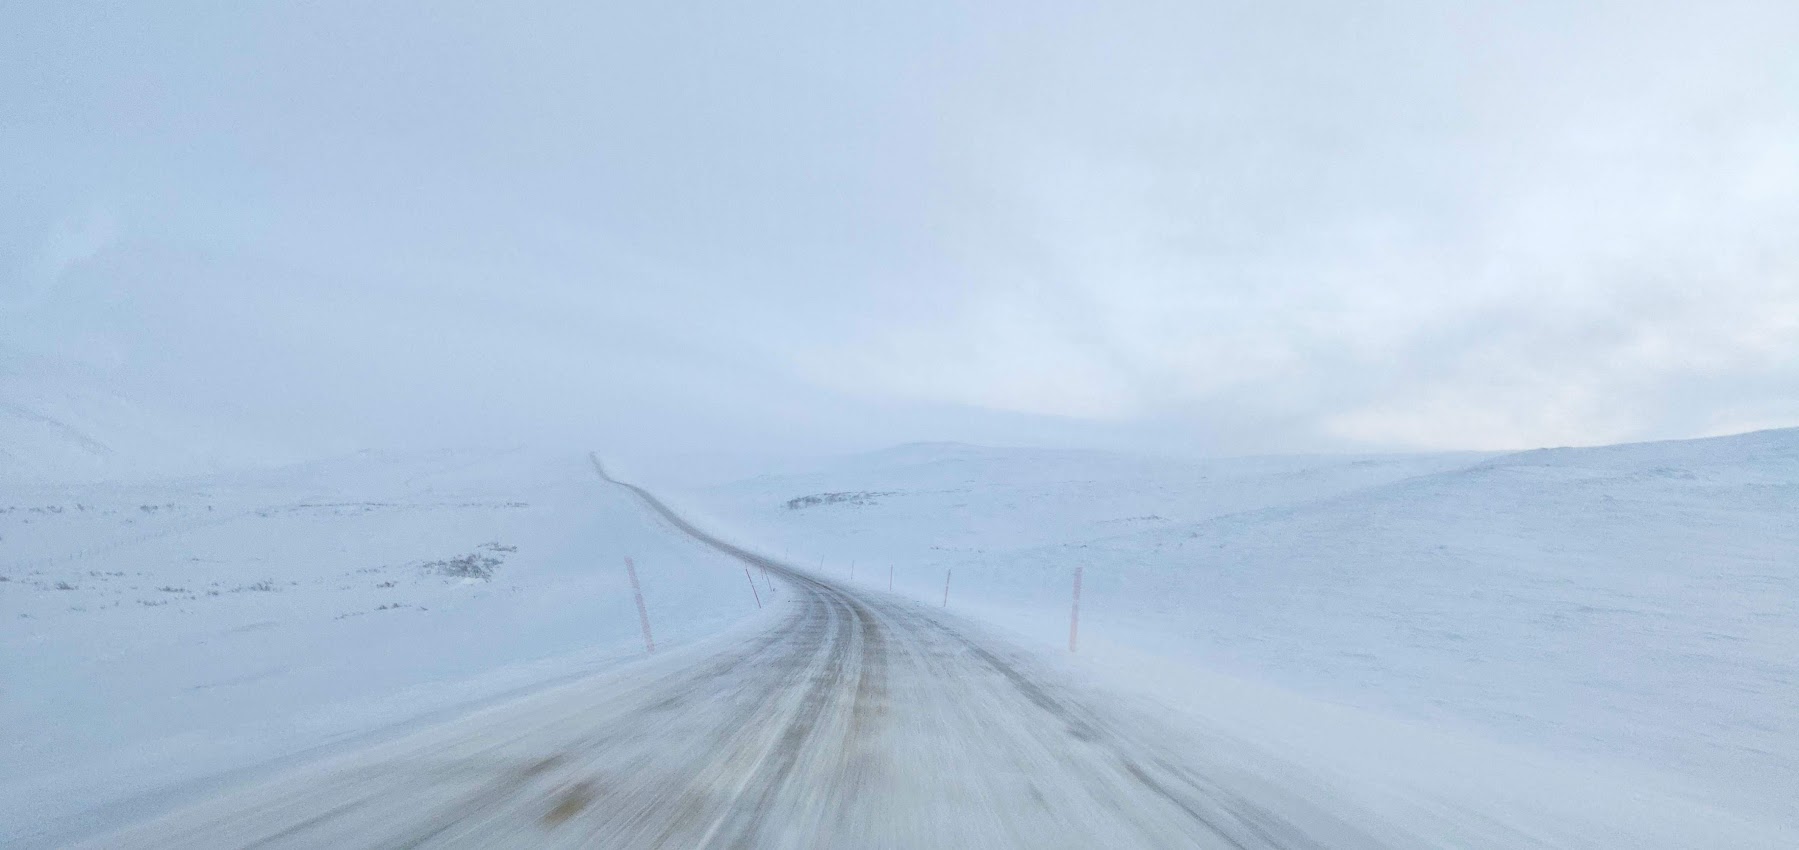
[{"x": 859, "y": 720}]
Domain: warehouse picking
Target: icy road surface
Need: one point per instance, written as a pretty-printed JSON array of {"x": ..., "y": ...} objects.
[{"x": 854, "y": 720}]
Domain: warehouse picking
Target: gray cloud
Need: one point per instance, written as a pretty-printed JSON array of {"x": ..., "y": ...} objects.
[{"x": 1228, "y": 227}]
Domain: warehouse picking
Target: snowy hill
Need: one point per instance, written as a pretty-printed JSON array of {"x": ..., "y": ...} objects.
[
  {"x": 1632, "y": 605},
  {"x": 65, "y": 422},
  {"x": 983, "y": 498}
]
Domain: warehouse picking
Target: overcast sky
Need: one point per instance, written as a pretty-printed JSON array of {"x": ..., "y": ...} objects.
[{"x": 1216, "y": 227}]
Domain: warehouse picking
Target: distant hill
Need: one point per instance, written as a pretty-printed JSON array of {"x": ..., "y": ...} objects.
[{"x": 64, "y": 422}]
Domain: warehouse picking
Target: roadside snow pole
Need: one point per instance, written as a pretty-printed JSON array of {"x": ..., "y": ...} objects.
[
  {"x": 771, "y": 585},
  {"x": 752, "y": 581},
  {"x": 946, "y": 588},
  {"x": 889, "y": 576},
  {"x": 1074, "y": 617},
  {"x": 643, "y": 614},
  {"x": 852, "y": 570}
]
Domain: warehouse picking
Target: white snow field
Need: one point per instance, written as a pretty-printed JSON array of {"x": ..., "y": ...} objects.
[
  {"x": 1590, "y": 647},
  {"x": 163, "y": 640}
]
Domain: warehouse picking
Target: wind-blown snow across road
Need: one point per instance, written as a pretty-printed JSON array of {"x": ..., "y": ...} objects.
[{"x": 855, "y": 720}]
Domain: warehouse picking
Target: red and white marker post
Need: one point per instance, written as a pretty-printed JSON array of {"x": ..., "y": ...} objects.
[
  {"x": 643, "y": 614},
  {"x": 946, "y": 588},
  {"x": 1074, "y": 616}
]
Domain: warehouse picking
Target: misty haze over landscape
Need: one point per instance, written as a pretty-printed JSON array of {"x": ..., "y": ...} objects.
[{"x": 1300, "y": 425}]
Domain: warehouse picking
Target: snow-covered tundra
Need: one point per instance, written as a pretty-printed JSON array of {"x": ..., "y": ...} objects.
[
  {"x": 1570, "y": 647},
  {"x": 162, "y": 640}
]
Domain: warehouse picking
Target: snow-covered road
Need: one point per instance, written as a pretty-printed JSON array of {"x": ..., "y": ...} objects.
[{"x": 854, "y": 719}]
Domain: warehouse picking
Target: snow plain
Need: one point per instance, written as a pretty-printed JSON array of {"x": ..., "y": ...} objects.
[
  {"x": 168, "y": 638},
  {"x": 1595, "y": 647}
]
